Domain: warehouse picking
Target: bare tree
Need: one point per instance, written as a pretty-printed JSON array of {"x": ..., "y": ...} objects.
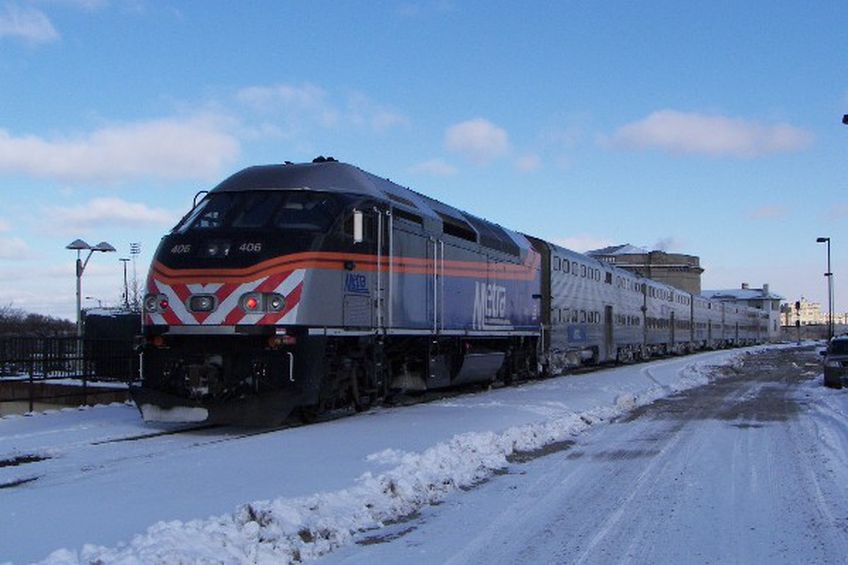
[{"x": 14, "y": 321}]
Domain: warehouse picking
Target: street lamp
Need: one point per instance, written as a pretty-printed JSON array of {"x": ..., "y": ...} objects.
[
  {"x": 79, "y": 245},
  {"x": 124, "y": 260},
  {"x": 829, "y": 276}
]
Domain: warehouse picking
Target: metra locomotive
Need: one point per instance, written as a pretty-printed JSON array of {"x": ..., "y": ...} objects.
[{"x": 311, "y": 286}]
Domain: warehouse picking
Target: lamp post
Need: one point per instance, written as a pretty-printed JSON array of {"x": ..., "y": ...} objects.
[
  {"x": 829, "y": 276},
  {"x": 125, "y": 260},
  {"x": 79, "y": 245}
]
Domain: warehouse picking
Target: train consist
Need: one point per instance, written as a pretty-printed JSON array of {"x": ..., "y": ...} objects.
[{"x": 306, "y": 287}]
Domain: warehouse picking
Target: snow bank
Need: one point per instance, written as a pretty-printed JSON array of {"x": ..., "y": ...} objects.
[{"x": 295, "y": 529}]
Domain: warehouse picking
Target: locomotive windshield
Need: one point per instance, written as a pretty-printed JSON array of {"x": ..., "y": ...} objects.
[{"x": 262, "y": 209}]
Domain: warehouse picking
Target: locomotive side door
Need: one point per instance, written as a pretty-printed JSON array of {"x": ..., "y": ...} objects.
[{"x": 408, "y": 273}]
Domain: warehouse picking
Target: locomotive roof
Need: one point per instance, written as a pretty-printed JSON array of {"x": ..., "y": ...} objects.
[
  {"x": 330, "y": 176},
  {"x": 334, "y": 176}
]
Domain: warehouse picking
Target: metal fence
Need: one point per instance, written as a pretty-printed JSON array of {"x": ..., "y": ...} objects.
[{"x": 64, "y": 370}]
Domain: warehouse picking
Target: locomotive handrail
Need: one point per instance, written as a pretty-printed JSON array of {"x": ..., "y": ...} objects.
[
  {"x": 199, "y": 192},
  {"x": 442, "y": 286},
  {"x": 379, "y": 304},
  {"x": 391, "y": 266},
  {"x": 291, "y": 366}
]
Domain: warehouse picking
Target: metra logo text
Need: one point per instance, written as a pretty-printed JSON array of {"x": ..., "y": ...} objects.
[{"x": 489, "y": 306}]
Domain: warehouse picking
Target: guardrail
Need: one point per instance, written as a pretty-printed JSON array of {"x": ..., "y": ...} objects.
[{"x": 62, "y": 370}]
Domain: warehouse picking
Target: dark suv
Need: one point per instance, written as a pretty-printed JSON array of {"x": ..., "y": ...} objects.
[{"x": 836, "y": 362}]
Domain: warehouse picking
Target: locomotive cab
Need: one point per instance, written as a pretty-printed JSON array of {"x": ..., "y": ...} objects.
[{"x": 224, "y": 335}]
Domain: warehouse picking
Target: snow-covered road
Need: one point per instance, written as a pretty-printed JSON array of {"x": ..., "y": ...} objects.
[
  {"x": 302, "y": 492},
  {"x": 751, "y": 469}
]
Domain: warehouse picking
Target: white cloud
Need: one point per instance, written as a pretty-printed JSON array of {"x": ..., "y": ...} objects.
[
  {"x": 109, "y": 211},
  {"x": 13, "y": 248},
  {"x": 196, "y": 147},
  {"x": 478, "y": 140},
  {"x": 305, "y": 106},
  {"x": 26, "y": 23},
  {"x": 361, "y": 111},
  {"x": 306, "y": 100},
  {"x": 583, "y": 242},
  {"x": 435, "y": 167},
  {"x": 4, "y": 226},
  {"x": 717, "y": 136},
  {"x": 528, "y": 163}
]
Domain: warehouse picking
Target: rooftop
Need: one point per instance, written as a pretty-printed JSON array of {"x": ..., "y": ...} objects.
[
  {"x": 742, "y": 294},
  {"x": 625, "y": 249}
]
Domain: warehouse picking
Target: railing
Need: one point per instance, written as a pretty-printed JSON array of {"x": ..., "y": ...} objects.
[{"x": 63, "y": 369}]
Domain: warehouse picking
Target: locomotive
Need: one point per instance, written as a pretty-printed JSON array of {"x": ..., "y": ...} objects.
[{"x": 308, "y": 287}]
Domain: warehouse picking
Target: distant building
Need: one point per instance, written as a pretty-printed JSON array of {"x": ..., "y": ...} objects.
[
  {"x": 761, "y": 298},
  {"x": 812, "y": 314},
  {"x": 674, "y": 269}
]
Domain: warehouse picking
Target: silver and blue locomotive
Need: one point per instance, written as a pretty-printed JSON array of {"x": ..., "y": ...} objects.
[{"x": 308, "y": 286}]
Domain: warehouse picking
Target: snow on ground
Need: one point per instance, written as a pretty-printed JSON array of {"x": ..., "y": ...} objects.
[{"x": 297, "y": 493}]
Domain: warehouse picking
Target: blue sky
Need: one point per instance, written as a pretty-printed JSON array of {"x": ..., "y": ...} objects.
[{"x": 709, "y": 128}]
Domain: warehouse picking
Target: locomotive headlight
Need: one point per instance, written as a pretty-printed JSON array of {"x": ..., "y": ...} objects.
[
  {"x": 202, "y": 303},
  {"x": 276, "y": 302},
  {"x": 254, "y": 302},
  {"x": 251, "y": 302},
  {"x": 151, "y": 303},
  {"x": 155, "y": 303}
]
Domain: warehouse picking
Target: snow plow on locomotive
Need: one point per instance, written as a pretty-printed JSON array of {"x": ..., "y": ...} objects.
[{"x": 305, "y": 287}]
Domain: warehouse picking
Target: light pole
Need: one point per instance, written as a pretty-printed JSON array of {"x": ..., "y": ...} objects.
[
  {"x": 829, "y": 276},
  {"x": 125, "y": 260},
  {"x": 79, "y": 245}
]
